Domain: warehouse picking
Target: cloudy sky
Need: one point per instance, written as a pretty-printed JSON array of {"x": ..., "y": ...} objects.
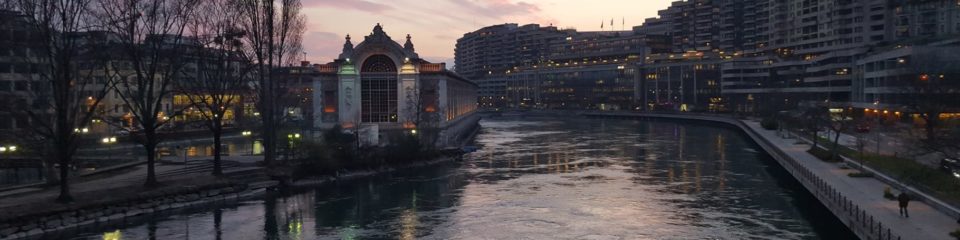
[{"x": 436, "y": 24}]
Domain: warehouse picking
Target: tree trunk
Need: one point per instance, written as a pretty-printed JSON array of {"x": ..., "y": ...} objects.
[
  {"x": 269, "y": 146},
  {"x": 836, "y": 145},
  {"x": 64, "y": 160},
  {"x": 217, "y": 150},
  {"x": 931, "y": 126},
  {"x": 816, "y": 139},
  {"x": 151, "y": 149},
  {"x": 50, "y": 174}
]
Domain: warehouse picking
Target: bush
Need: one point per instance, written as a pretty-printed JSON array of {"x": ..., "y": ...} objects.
[
  {"x": 955, "y": 234},
  {"x": 888, "y": 194},
  {"x": 405, "y": 148},
  {"x": 860, "y": 174},
  {"x": 769, "y": 124},
  {"x": 823, "y": 154}
]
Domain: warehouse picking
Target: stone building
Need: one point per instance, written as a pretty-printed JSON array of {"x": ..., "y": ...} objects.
[{"x": 382, "y": 89}]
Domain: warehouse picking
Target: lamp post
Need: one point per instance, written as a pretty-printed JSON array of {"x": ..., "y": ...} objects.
[
  {"x": 249, "y": 134},
  {"x": 8, "y": 149},
  {"x": 292, "y": 139},
  {"x": 109, "y": 141}
]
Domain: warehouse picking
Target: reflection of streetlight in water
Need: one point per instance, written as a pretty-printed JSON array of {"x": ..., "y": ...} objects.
[
  {"x": 408, "y": 224},
  {"x": 115, "y": 235}
]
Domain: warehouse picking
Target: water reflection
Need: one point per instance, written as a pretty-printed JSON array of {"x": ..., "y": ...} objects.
[{"x": 542, "y": 179}]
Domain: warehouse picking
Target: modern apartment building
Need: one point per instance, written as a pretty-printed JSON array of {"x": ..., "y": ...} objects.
[
  {"x": 546, "y": 67},
  {"x": 809, "y": 53},
  {"x": 18, "y": 74},
  {"x": 686, "y": 82}
]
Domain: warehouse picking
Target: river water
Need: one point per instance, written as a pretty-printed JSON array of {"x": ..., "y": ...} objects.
[{"x": 540, "y": 178}]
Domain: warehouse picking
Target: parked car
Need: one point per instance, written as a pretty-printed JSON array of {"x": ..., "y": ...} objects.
[
  {"x": 863, "y": 128},
  {"x": 951, "y": 166}
]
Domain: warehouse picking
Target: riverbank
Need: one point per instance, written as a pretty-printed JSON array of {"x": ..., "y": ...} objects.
[
  {"x": 120, "y": 197},
  {"x": 36, "y": 216},
  {"x": 858, "y": 202}
]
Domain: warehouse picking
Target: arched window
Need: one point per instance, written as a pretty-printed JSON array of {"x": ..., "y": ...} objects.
[{"x": 378, "y": 92}]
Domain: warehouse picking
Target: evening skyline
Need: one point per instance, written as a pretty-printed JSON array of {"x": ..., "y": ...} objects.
[{"x": 436, "y": 25}]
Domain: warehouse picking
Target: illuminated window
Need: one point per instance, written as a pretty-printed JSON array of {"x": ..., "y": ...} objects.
[{"x": 379, "y": 90}]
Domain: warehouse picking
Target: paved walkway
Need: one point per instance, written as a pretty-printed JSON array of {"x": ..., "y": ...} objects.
[
  {"x": 925, "y": 222},
  {"x": 194, "y": 167}
]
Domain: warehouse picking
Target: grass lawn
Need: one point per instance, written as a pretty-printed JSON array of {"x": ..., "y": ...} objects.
[{"x": 927, "y": 179}]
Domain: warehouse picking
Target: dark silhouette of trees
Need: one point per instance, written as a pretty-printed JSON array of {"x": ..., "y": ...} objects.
[
  {"x": 222, "y": 68},
  {"x": 930, "y": 92},
  {"x": 274, "y": 32},
  {"x": 61, "y": 62},
  {"x": 152, "y": 41}
]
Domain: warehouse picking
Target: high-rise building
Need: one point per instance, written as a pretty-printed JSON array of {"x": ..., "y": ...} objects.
[
  {"x": 806, "y": 52},
  {"x": 19, "y": 72},
  {"x": 533, "y": 66}
]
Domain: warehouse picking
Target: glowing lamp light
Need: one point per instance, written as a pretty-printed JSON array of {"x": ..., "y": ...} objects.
[
  {"x": 924, "y": 77},
  {"x": 413, "y": 131}
]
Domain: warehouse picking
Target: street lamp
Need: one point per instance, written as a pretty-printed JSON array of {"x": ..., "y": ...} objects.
[
  {"x": 8, "y": 149},
  {"x": 109, "y": 141},
  {"x": 292, "y": 138}
]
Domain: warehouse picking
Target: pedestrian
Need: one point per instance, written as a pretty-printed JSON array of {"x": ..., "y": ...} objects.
[{"x": 904, "y": 199}]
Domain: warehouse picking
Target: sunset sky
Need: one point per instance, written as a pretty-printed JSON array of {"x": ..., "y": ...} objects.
[{"x": 436, "y": 24}]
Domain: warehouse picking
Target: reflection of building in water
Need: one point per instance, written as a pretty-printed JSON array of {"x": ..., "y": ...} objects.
[{"x": 388, "y": 89}]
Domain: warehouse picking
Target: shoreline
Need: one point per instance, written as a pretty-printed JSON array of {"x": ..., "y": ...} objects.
[
  {"x": 868, "y": 215},
  {"x": 133, "y": 208}
]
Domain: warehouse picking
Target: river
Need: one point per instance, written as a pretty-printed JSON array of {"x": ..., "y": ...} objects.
[{"x": 540, "y": 178}]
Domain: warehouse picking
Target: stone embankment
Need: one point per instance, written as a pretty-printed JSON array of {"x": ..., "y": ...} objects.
[{"x": 70, "y": 218}]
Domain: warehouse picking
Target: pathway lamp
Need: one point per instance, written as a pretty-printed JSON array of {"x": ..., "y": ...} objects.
[
  {"x": 292, "y": 140},
  {"x": 8, "y": 149},
  {"x": 109, "y": 141}
]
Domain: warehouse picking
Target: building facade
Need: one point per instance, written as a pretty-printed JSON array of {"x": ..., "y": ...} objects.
[
  {"x": 381, "y": 89},
  {"x": 544, "y": 67}
]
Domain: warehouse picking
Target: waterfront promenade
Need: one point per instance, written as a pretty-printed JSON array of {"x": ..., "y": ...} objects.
[
  {"x": 925, "y": 222},
  {"x": 858, "y": 202}
]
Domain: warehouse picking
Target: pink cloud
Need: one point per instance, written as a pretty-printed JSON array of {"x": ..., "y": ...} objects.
[
  {"x": 322, "y": 46},
  {"x": 359, "y": 5},
  {"x": 498, "y": 9}
]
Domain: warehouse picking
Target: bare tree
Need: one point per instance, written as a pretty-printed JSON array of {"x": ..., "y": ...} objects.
[
  {"x": 840, "y": 122},
  {"x": 274, "y": 33},
  {"x": 861, "y": 144},
  {"x": 931, "y": 92},
  {"x": 222, "y": 67},
  {"x": 67, "y": 98},
  {"x": 151, "y": 41},
  {"x": 812, "y": 119},
  {"x": 421, "y": 101}
]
